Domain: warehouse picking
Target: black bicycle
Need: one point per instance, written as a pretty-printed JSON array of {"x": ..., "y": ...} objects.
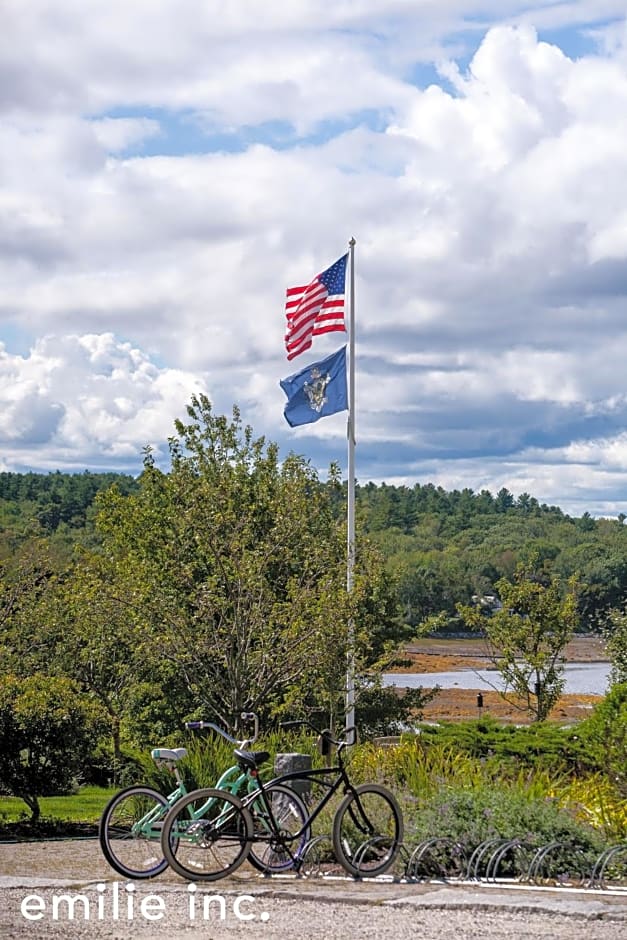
[{"x": 367, "y": 830}]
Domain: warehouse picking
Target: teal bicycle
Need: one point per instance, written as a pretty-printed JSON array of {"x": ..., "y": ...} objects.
[{"x": 131, "y": 824}]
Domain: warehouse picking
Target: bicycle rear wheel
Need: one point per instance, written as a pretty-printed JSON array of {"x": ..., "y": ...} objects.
[
  {"x": 206, "y": 835},
  {"x": 367, "y": 831},
  {"x": 129, "y": 832},
  {"x": 274, "y": 851}
]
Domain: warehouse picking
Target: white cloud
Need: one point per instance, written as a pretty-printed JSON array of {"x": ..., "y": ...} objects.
[
  {"x": 489, "y": 207},
  {"x": 86, "y": 401},
  {"x": 119, "y": 133}
]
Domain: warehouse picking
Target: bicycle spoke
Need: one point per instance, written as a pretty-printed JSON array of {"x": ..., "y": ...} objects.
[
  {"x": 207, "y": 835},
  {"x": 130, "y": 832},
  {"x": 280, "y": 829},
  {"x": 368, "y": 831}
]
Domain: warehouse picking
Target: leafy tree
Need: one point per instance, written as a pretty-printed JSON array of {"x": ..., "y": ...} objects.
[
  {"x": 526, "y": 637},
  {"x": 382, "y": 711},
  {"x": 615, "y": 634},
  {"x": 605, "y": 736},
  {"x": 25, "y": 578},
  {"x": 233, "y": 568},
  {"x": 92, "y": 635},
  {"x": 47, "y": 728}
]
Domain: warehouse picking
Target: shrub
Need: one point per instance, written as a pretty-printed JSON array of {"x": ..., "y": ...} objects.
[
  {"x": 604, "y": 737},
  {"x": 537, "y": 746},
  {"x": 47, "y": 729},
  {"x": 470, "y": 817},
  {"x": 381, "y": 710}
]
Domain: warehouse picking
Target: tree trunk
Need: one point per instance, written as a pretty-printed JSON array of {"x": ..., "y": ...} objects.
[
  {"x": 33, "y": 804},
  {"x": 117, "y": 751}
]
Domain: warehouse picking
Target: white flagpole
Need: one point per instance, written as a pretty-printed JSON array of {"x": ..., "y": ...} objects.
[{"x": 350, "y": 553}]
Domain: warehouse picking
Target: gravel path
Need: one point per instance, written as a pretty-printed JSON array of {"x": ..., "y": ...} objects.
[{"x": 66, "y": 890}]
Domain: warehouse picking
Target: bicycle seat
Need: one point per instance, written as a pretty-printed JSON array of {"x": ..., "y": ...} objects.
[
  {"x": 166, "y": 753},
  {"x": 251, "y": 759}
]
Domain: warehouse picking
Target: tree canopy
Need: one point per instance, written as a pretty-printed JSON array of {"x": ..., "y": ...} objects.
[{"x": 229, "y": 571}]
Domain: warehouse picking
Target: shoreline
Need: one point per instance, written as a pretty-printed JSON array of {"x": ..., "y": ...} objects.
[
  {"x": 443, "y": 654},
  {"x": 461, "y": 705}
]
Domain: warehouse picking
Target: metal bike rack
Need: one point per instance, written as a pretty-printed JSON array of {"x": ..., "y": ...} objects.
[
  {"x": 366, "y": 846},
  {"x": 433, "y": 854},
  {"x": 605, "y": 859},
  {"x": 543, "y": 855},
  {"x": 442, "y": 858},
  {"x": 318, "y": 858},
  {"x": 514, "y": 848},
  {"x": 478, "y": 864}
]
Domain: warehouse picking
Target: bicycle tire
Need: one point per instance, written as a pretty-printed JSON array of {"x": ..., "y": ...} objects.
[
  {"x": 269, "y": 854},
  {"x": 367, "y": 831},
  {"x": 133, "y": 852},
  {"x": 206, "y": 843}
]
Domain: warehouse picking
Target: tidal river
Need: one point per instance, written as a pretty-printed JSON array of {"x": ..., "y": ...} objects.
[{"x": 581, "y": 679}]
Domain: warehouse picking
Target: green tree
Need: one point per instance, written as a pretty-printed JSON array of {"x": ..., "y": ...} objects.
[
  {"x": 93, "y": 635},
  {"x": 526, "y": 637},
  {"x": 233, "y": 567},
  {"x": 47, "y": 729},
  {"x": 25, "y": 578},
  {"x": 605, "y": 736},
  {"x": 615, "y": 634}
]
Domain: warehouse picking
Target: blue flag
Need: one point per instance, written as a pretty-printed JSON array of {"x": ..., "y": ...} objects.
[{"x": 316, "y": 391}]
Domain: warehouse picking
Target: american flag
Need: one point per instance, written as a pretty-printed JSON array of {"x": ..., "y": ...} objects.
[{"x": 315, "y": 309}]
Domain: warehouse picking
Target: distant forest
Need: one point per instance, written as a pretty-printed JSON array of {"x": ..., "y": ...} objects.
[{"x": 442, "y": 547}]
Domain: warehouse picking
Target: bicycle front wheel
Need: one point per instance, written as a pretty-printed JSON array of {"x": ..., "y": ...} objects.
[
  {"x": 129, "y": 832},
  {"x": 281, "y": 832},
  {"x": 367, "y": 831},
  {"x": 206, "y": 835}
]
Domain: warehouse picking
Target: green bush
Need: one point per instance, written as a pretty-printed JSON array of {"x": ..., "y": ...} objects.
[
  {"x": 382, "y": 711},
  {"x": 47, "y": 729},
  {"x": 603, "y": 737},
  {"x": 538, "y": 746},
  {"x": 470, "y": 817}
]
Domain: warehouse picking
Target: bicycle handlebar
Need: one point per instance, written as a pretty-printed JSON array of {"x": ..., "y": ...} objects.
[{"x": 209, "y": 725}]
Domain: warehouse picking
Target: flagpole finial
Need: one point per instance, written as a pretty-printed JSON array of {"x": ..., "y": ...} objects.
[{"x": 352, "y": 242}]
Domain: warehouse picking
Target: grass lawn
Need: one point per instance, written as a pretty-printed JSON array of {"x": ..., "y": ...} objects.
[{"x": 85, "y": 806}]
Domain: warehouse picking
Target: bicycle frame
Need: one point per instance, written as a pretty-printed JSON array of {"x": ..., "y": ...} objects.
[
  {"x": 231, "y": 780},
  {"x": 318, "y": 775}
]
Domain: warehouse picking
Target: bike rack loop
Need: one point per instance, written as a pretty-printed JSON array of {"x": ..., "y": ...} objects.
[
  {"x": 545, "y": 851},
  {"x": 597, "y": 878},
  {"x": 427, "y": 848},
  {"x": 511, "y": 847}
]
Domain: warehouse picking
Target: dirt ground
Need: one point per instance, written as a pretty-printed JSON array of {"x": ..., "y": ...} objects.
[
  {"x": 35, "y": 876},
  {"x": 444, "y": 655},
  {"x": 460, "y": 704}
]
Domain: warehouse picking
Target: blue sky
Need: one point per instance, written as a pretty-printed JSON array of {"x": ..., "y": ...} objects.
[{"x": 169, "y": 167}]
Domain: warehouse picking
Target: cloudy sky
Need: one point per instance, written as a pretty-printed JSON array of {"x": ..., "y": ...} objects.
[{"x": 169, "y": 167}]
